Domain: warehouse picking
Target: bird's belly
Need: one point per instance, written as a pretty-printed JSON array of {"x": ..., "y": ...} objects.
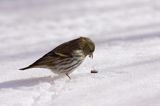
[{"x": 66, "y": 68}]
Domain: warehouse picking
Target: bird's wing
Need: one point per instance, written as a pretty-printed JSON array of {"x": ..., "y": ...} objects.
[
  {"x": 68, "y": 47},
  {"x": 61, "y": 55},
  {"x": 64, "y": 50},
  {"x": 49, "y": 59}
]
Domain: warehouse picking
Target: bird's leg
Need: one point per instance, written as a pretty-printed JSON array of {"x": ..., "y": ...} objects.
[{"x": 68, "y": 76}]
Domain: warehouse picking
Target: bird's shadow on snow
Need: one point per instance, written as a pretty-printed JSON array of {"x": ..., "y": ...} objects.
[{"x": 28, "y": 82}]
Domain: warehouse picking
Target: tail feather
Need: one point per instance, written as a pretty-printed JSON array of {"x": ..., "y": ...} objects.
[{"x": 25, "y": 68}]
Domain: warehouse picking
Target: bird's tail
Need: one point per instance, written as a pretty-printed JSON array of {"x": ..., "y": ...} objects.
[{"x": 25, "y": 68}]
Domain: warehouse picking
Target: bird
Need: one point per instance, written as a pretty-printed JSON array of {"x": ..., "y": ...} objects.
[{"x": 66, "y": 57}]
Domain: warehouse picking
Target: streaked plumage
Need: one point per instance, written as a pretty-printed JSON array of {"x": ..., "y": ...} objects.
[{"x": 65, "y": 57}]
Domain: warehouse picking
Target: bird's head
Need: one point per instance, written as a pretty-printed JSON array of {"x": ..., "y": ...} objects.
[{"x": 87, "y": 46}]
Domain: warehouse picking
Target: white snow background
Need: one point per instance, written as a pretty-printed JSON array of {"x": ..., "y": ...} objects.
[{"x": 127, "y": 56}]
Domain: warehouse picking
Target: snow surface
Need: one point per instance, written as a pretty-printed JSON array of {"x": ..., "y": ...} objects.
[{"x": 127, "y": 56}]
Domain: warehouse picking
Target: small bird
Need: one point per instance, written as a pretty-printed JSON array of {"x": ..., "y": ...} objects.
[{"x": 65, "y": 58}]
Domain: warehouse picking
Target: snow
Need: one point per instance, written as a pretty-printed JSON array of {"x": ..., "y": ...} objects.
[{"x": 127, "y": 56}]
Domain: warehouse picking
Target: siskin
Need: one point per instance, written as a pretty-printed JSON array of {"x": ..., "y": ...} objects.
[{"x": 65, "y": 58}]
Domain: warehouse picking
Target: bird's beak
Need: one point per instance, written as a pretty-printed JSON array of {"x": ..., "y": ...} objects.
[{"x": 91, "y": 55}]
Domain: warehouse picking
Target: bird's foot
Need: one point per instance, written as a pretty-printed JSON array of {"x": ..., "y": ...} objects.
[{"x": 68, "y": 76}]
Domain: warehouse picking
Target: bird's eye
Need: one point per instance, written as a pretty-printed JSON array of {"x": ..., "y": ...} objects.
[{"x": 92, "y": 51}]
